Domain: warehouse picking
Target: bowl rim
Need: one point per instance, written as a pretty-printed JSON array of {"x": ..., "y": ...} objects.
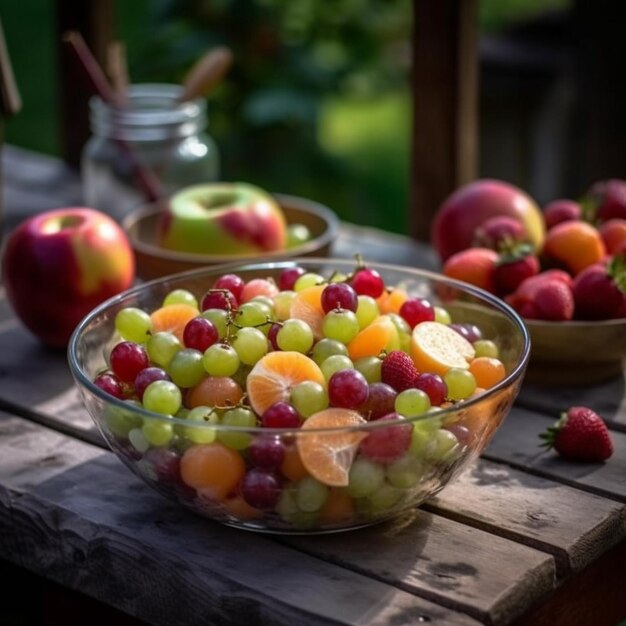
[
  {"x": 313, "y": 207},
  {"x": 85, "y": 384}
]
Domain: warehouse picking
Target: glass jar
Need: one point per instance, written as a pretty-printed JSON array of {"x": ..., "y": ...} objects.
[{"x": 152, "y": 147}]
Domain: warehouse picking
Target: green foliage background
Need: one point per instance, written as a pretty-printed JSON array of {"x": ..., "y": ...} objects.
[{"x": 317, "y": 103}]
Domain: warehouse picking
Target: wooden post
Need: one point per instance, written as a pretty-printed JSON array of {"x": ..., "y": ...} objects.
[
  {"x": 95, "y": 21},
  {"x": 10, "y": 103},
  {"x": 445, "y": 105}
]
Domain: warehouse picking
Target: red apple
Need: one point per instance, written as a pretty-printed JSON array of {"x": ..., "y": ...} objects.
[
  {"x": 60, "y": 264},
  {"x": 456, "y": 221},
  {"x": 223, "y": 218},
  {"x": 606, "y": 200}
]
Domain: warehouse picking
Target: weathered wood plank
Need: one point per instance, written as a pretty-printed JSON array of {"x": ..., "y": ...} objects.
[
  {"x": 485, "y": 576},
  {"x": 517, "y": 443},
  {"x": 607, "y": 398},
  {"x": 574, "y": 526},
  {"x": 75, "y": 514}
]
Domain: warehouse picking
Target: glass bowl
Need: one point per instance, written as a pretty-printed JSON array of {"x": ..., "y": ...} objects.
[{"x": 334, "y": 475}]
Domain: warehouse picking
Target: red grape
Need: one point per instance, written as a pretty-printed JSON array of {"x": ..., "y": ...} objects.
[
  {"x": 368, "y": 282},
  {"x": 380, "y": 401},
  {"x": 218, "y": 299},
  {"x": 471, "y": 332},
  {"x": 288, "y": 277},
  {"x": 147, "y": 376},
  {"x": 111, "y": 384},
  {"x": 387, "y": 444},
  {"x": 347, "y": 389},
  {"x": 127, "y": 360},
  {"x": 266, "y": 452},
  {"x": 281, "y": 415},
  {"x": 416, "y": 310},
  {"x": 339, "y": 296},
  {"x": 433, "y": 386},
  {"x": 260, "y": 489},
  {"x": 199, "y": 334},
  {"x": 232, "y": 282}
]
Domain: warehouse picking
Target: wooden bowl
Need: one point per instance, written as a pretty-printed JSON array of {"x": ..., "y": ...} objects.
[
  {"x": 153, "y": 261},
  {"x": 575, "y": 353}
]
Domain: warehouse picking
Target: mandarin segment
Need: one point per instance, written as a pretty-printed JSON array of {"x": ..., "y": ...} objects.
[
  {"x": 274, "y": 376},
  {"x": 380, "y": 335},
  {"x": 436, "y": 348},
  {"x": 172, "y": 318},
  {"x": 391, "y": 301},
  {"x": 307, "y": 306},
  {"x": 328, "y": 454}
]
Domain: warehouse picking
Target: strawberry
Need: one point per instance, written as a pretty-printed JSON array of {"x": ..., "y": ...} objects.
[
  {"x": 513, "y": 267},
  {"x": 546, "y": 296},
  {"x": 600, "y": 290},
  {"x": 398, "y": 371},
  {"x": 581, "y": 435},
  {"x": 498, "y": 232},
  {"x": 559, "y": 211},
  {"x": 605, "y": 200}
]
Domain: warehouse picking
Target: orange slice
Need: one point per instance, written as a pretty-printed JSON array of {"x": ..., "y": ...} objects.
[
  {"x": 391, "y": 301},
  {"x": 275, "y": 374},
  {"x": 436, "y": 348},
  {"x": 328, "y": 455},
  {"x": 173, "y": 318},
  {"x": 381, "y": 334},
  {"x": 307, "y": 306}
]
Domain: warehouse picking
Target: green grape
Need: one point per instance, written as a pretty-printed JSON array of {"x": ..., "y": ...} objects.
[
  {"x": 250, "y": 344},
  {"x": 338, "y": 277},
  {"x": 157, "y": 433},
  {"x": 241, "y": 375},
  {"x": 461, "y": 383},
  {"x": 219, "y": 318},
  {"x": 441, "y": 315},
  {"x": 370, "y": 367},
  {"x": 307, "y": 280},
  {"x": 282, "y": 304},
  {"x": 404, "y": 331},
  {"x": 412, "y": 402},
  {"x": 161, "y": 348},
  {"x": 311, "y": 495},
  {"x": 405, "y": 472},
  {"x": 162, "y": 396},
  {"x": 365, "y": 477},
  {"x": 180, "y": 296},
  {"x": 326, "y": 348},
  {"x": 241, "y": 417},
  {"x": 485, "y": 347},
  {"x": 287, "y": 507},
  {"x": 295, "y": 335},
  {"x": 367, "y": 311},
  {"x": 297, "y": 234},
  {"x": 121, "y": 421},
  {"x": 308, "y": 398},
  {"x": 384, "y": 498},
  {"x": 266, "y": 300},
  {"x": 334, "y": 364},
  {"x": 133, "y": 324},
  {"x": 201, "y": 434},
  {"x": 186, "y": 368},
  {"x": 220, "y": 359},
  {"x": 253, "y": 314},
  {"x": 444, "y": 446},
  {"x": 138, "y": 440},
  {"x": 341, "y": 325},
  {"x": 423, "y": 436}
]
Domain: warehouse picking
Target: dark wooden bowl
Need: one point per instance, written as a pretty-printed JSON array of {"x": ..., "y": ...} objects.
[
  {"x": 154, "y": 261},
  {"x": 575, "y": 353}
]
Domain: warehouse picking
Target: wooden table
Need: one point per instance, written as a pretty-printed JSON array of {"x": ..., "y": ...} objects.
[{"x": 523, "y": 537}]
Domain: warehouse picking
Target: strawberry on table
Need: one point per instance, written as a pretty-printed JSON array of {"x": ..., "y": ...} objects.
[{"x": 580, "y": 435}]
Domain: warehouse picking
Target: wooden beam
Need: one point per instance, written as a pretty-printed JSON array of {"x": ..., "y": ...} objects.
[
  {"x": 445, "y": 105},
  {"x": 95, "y": 21}
]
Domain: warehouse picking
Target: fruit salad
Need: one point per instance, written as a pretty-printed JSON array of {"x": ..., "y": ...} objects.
[{"x": 300, "y": 400}]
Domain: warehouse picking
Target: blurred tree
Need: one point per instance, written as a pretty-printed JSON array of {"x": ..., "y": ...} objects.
[{"x": 294, "y": 61}]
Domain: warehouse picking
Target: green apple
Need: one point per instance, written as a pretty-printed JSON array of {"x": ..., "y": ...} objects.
[{"x": 223, "y": 218}]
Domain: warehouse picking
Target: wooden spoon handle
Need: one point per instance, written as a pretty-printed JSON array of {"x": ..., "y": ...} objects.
[{"x": 206, "y": 73}]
